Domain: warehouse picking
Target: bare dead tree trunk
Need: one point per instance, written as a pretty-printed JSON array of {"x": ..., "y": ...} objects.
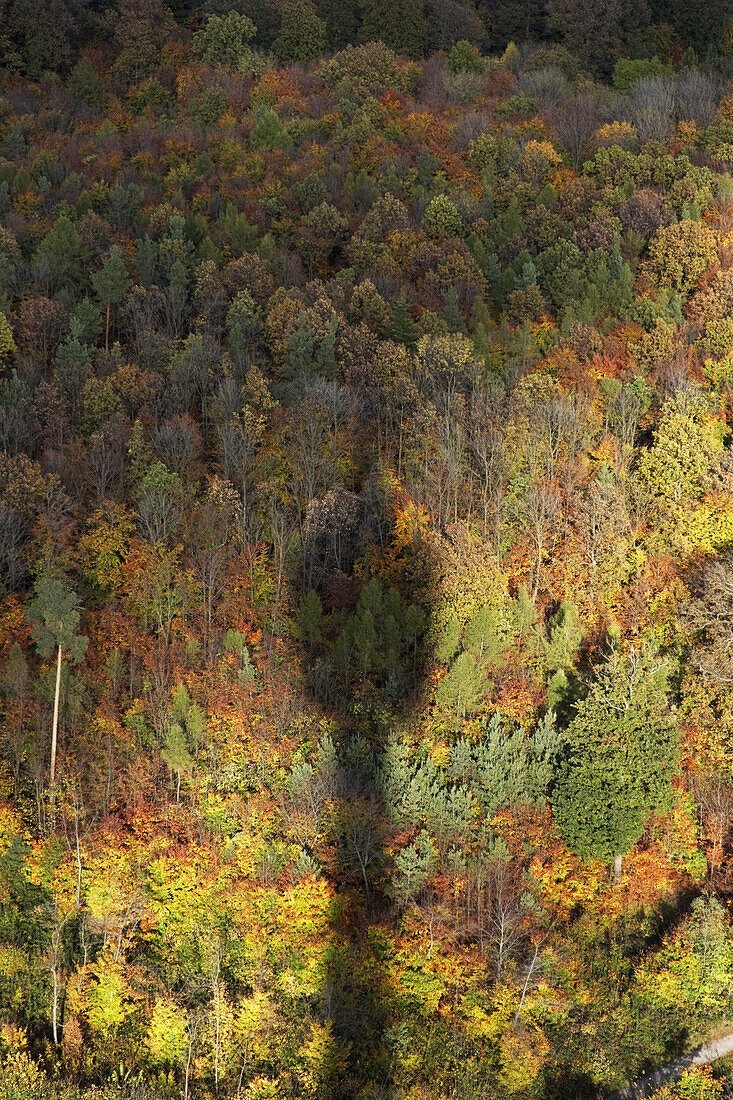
[{"x": 54, "y": 732}]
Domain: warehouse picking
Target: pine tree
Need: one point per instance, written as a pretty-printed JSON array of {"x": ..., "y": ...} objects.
[
  {"x": 566, "y": 635},
  {"x": 111, "y": 285},
  {"x": 365, "y": 642},
  {"x": 402, "y": 329},
  {"x": 451, "y": 311},
  {"x": 181, "y": 702},
  {"x": 449, "y": 641},
  {"x": 481, "y": 636},
  {"x": 396, "y": 771},
  {"x": 461, "y": 690},
  {"x": 412, "y": 868},
  {"x": 84, "y": 85}
]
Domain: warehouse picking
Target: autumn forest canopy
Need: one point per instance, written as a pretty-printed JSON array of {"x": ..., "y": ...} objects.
[{"x": 366, "y": 548}]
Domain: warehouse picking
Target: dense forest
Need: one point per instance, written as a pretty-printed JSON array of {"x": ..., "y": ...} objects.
[{"x": 366, "y": 543}]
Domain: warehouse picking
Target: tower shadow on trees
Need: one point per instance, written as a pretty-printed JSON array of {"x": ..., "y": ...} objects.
[{"x": 361, "y": 629}]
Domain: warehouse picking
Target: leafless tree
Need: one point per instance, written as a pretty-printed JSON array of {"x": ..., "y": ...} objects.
[
  {"x": 651, "y": 107},
  {"x": 491, "y": 465},
  {"x": 709, "y": 618},
  {"x": 695, "y": 97},
  {"x": 575, "y": 122},
  {"x": 489, "y": 908},
  {"x": 538, "y": 514},
  {"x": 105, "y": 460},
  {"x": 178, "y": 442},
  {"x": 549, "y": 86},
  {"x": 714, "y": 794},
  {"x": 14, "y": 532},
  {"x": 211, "y": 547}
]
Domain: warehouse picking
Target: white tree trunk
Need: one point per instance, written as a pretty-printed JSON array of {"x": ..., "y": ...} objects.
[
  {"x": 54, "y": 972},
  {"x": 54, "y": 732}
]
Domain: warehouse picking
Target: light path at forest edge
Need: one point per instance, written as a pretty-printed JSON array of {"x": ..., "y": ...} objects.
[{"x": 701, "y": 1056}]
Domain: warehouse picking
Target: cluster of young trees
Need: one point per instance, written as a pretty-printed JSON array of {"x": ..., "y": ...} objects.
[{"x": 366, "y": 514}]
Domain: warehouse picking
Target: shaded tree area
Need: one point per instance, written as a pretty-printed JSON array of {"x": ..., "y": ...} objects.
[{"x": 36, "y": 40}]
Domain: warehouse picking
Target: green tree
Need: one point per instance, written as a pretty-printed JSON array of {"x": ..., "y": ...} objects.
[
  {"x": 66, "y": 256},
  {"x": 342, "y": 20},
  {"x": 678, "y": 465},
  {"x": 566, "y": 635},
  {"x": 680, "y": 254},
  {"x": 413, "y": 865},
  {"x": 141, "y": 28},
  {"x": 442, "y": 218},
  {"x": 223, "y": 41},
  {"x": 403, "y": 27},
  {"x": 461, "y": 689},
  {"x": 167, "y": 1037},
  {"x": 55, "y": 622},
  {"x": 176, "y": 755},
  {"x": 310, "y": 620},
  {"x": 35, "y": 35},
  {"x": 7, "y": 344},
  {"x": 599, "y": 33},
  {"x": 402, "y": 329},
  {"x": 321, "y": 229},
  {"x": 482, "y": 636},
  {"x": 302, "y": 34},
  {"x": 451, "y": 311},
  {"x": 621, "y": 753},
  {"x": 465, "y": 58},
  {"x": 111, "y": 285},
  {"x": 268, "y": 132},
  {"x": 84, "y": 85}
]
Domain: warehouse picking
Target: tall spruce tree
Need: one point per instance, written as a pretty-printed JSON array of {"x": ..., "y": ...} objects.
[{"x": 621, "y": 754}]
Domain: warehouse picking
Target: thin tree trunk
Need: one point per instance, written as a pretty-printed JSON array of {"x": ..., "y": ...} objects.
[
  {"x": 526, "y": 983},
  {"x": 54, "y": 733},
  {"x": 244, "y": 1067},
  {"x": 78, "y": 868},
  {"x": 189, "y": 1058},
  {"x": 617, "y": 865},
  {"x": 55, "y": 1005},
  {"x": 106, "y": 331},
  {"x": 215, "y": 969}
]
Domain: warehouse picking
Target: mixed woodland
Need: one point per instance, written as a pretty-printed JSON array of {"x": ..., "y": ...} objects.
[{"x": 366, "y": 543}]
